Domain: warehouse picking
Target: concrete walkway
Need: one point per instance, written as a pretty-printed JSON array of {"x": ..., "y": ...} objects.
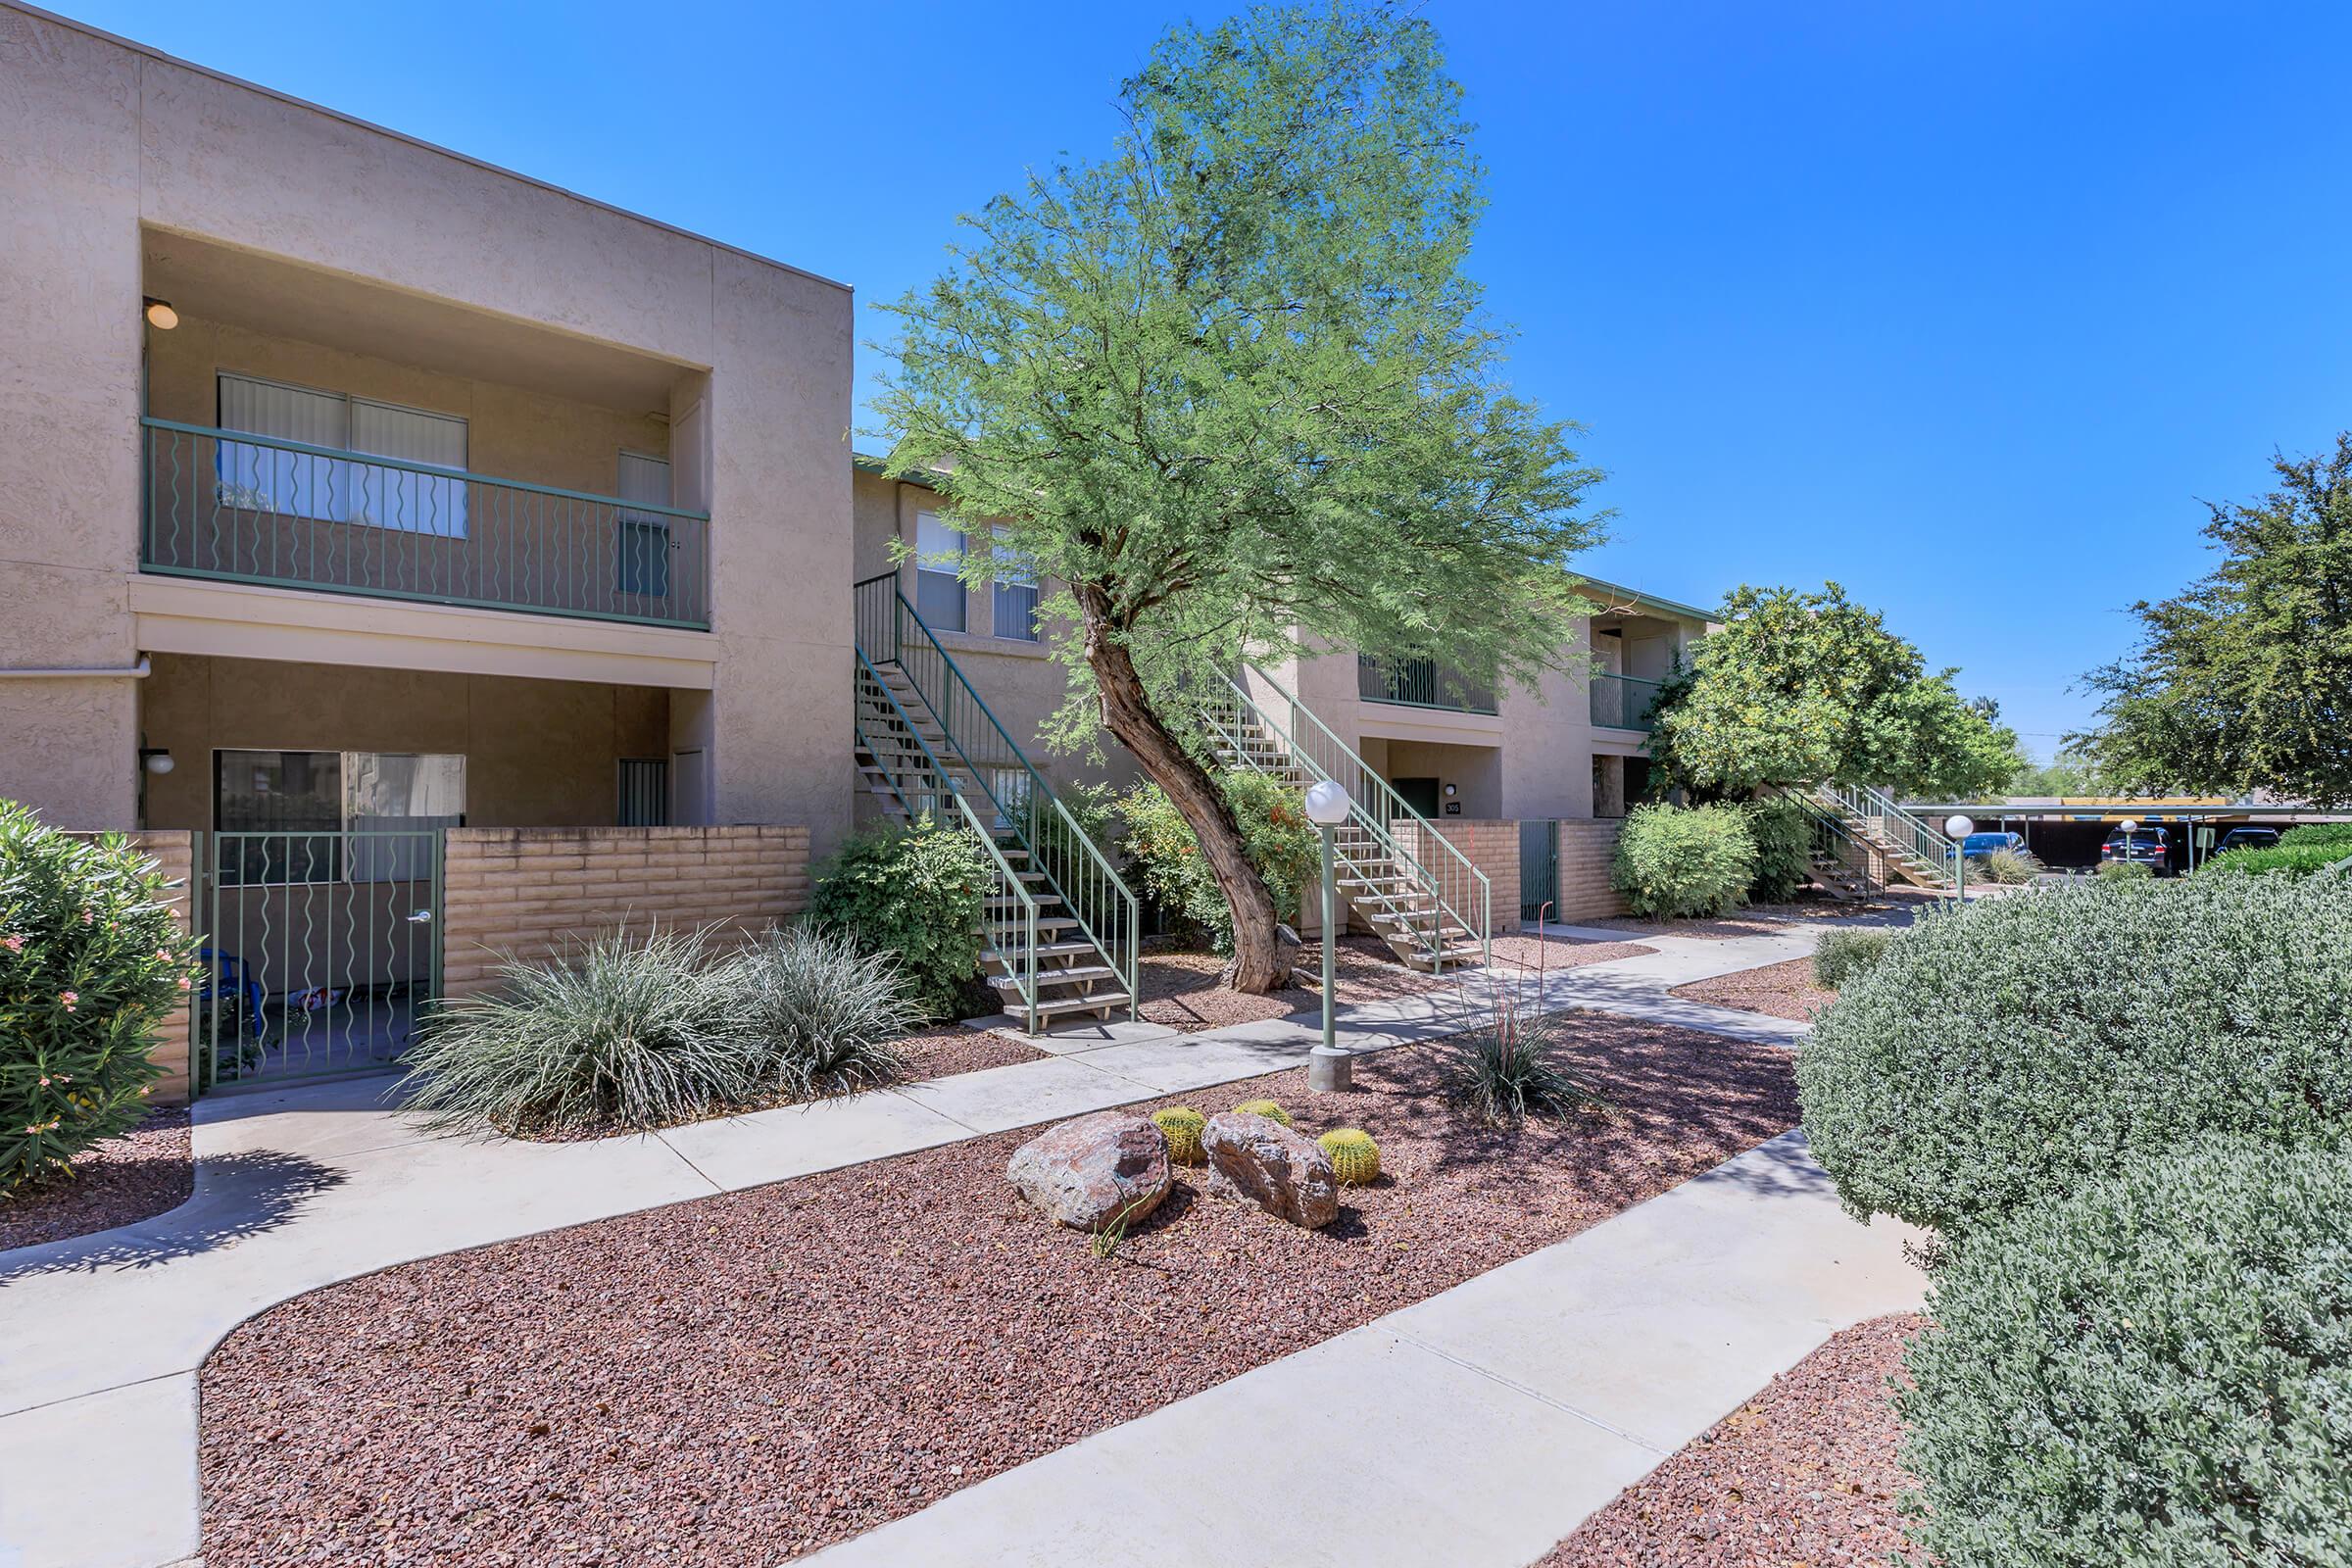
[
  {"x": 101, "y": 1336},
  {"x": 1472, "y": 1430}
]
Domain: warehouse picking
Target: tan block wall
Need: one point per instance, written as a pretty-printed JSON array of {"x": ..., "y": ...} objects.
[
  {"x": 528, "y": 890},
  {"x": 1585, "y": 850},
  {"x": 1491, "y": 844}
]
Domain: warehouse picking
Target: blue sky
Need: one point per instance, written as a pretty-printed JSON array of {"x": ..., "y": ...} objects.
[{"x": 1965, "y": 305}]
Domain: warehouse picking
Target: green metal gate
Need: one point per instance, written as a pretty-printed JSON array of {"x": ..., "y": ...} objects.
[
  {"x": 1539, "y": 866},
  {"x": 320, "y": 950}
]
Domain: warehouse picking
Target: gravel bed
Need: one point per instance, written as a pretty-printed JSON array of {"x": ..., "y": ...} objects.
[
  {"x": 118, "y": 1182},
  {"x": 1784, "y": 990},
  {"x": 1722, "y": 929},
  {"x": 1875, "y": 910},
  {"x": 1181, "y": 990},
  {"x": 945, "y": 1053},
  {"x": 745, "y": 1378},
  {"x": 1562, "y": 953},
  {"x": 1804, "y": 1472}
]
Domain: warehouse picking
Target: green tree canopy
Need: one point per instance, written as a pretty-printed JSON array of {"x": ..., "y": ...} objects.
[
  {"x": 2244, "y": 681},
  {"x": 1806, "y": 688},
  {"x": 1230, "y": 384}
]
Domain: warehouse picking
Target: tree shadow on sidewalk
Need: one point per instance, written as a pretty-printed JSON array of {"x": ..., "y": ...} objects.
[{"x": 238, "y": 1196}]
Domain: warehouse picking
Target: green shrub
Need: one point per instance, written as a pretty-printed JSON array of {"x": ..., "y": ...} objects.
[
  {"x": 2125, "y": 872},
  {"x": 2000, "y": 1055},
  {"x": 1679, "y": 861},
  {"x": 1844, "y": 955},
  {"x": 826, "y": 1014},
  {"x": 1783, "y": 831},
  {"x": 621, "y": 1032},
  {"x": 90, "y": 963},
  {"x": 915, "y": 892},
  {"x": 1275, "y": 834},
  {"x": 2325, "y": 833},
  {"x": 2296, "y": 859},
  {"x": 2005, "y": 868},
  {"x": 2154, "y": 1370}
]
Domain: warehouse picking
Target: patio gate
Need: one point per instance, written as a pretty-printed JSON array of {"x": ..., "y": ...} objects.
[
  {"x": 319, "y": 951},
  {"x": 1539, "y": 866}
]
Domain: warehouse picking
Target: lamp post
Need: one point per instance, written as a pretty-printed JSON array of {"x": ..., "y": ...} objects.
[
  {"x": 1328, "y": 1067},
  {"x": 1958, "y": 829}
]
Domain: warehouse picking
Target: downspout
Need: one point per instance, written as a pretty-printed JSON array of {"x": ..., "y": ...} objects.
[{"x": 137, "y": 672}]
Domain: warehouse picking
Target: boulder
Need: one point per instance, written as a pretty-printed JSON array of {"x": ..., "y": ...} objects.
[
  {"x": 1282, "y": 1171},
  {"x": 1088, "y": 1173}
]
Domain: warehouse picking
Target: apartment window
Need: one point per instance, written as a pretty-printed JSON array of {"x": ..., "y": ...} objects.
[
  {"x": 1015, "y": 590},
  {"x": 287, "y": 816},
  {"x": 334, "y": 489},
  {"x": 642, "y": 538},
  {"x": 938, "y": 591}
]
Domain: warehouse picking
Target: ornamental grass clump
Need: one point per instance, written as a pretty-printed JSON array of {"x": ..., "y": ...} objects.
[
  {"x": 1999, "y": 1056},
  {"x": 2005, "y": 868},
  {"x": 626, "y": 1031},
  {"x": 825, "y": 1015},
  {"x": 1684, "y": 862},
  {"x": 2151, "y": 1370},
  {"x": 91, "y": 961}
]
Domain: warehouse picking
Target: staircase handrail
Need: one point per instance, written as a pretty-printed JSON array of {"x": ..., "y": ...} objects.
[
  {"x": 1366, "y": 782},
  {"x": 1930, "y": 847},
  {"x": 1024, "y": 974},
  {"x": 1090, "y": 887}
]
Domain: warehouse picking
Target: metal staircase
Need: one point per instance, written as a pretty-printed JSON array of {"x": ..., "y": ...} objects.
[
  {"x": 1059, "y": 926},
  {"x": 1904, "y": 847},
  {"x": 1424, "y": 899}
]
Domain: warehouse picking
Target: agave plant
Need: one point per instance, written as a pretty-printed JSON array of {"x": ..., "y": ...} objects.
[{"x": 1511, "y": 1068}]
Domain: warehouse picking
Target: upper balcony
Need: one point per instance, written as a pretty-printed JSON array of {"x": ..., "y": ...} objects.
[
  {"x": 1622, "y": 702},
  {"x": 1419, "y": 683},
  {"x": 314, "y": 431}
]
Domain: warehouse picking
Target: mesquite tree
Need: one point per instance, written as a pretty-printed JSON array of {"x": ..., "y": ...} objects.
[{"x": 1230, "y": 385}]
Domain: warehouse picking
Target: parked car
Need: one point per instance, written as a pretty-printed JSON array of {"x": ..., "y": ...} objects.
[
  {"x": 1977, "y": 845},
  {"x": 2152, "y": 847},
  {"x": 2248, "y": 838}
]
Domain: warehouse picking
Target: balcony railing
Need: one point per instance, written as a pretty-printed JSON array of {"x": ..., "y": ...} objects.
[
  {"x": 238, "y": 508},
  {"x": 1419, "y": 683},
  {"x": 1621, "y": 701}
]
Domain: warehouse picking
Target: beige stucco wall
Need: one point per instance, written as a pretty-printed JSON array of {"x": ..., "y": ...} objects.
[
  {"x": 538, "y": 752},
  {"x": 109, "y": 143}
]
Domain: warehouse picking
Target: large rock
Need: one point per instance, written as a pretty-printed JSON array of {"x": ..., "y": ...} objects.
[
  {"x": 1284, "y": 1172},
  {"x": 1088, "y": 1173}
]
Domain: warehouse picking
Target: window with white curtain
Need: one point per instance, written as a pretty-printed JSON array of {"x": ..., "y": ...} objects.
[
  {"x": 938, "y": 591},
  {"x": 1015, "y": 590},
  {"x": 314, "y": 816},
  {"x": 337, "y": 489}
]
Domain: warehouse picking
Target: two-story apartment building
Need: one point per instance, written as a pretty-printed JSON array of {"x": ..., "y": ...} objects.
[{"x": 430, "y": 560}]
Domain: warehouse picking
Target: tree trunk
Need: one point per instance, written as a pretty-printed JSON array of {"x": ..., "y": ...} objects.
[{"x": 1262, "y": 954}]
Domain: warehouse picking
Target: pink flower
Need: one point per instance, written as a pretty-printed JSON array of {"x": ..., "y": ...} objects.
[
  {"x": 13, "y": 943},
  {"x": 44, "y": 1082},
  {"x": 183, "y": 982},
  {"x": 87, "y": 916},
  {"x": 69, "y": 998}
]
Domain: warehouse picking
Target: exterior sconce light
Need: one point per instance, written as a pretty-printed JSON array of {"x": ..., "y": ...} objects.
[
  {"x": 160, "y": 314},
  {"x": 156, "y": 759}
]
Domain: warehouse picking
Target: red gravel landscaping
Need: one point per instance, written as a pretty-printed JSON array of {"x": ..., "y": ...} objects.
[
  {"x": 945, "y": 1053},
  {"x": 1560, "y": 953},
  {"x": 1782, "y": 990},
  {"x": 118, "y": 1182},
  {"x": 1181, "y": 990},
  {"x": 745, "y": 1378},
  {"x": 1804, "y": 1472},
  {"x": 1722, "y": 929}
]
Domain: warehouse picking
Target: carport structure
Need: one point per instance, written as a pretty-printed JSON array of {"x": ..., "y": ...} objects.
[{"x": 2066, "y": 833}]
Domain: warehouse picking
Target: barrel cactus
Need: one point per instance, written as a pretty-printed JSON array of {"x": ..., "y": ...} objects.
[
  {"x": 1354, "y": 1156},
  {"x": 1263, "y": 1108},
  {"x": 1182, "y": 1125}
]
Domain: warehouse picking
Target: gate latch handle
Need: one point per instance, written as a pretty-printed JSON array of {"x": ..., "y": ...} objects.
[{"x": 421, "y": 917}]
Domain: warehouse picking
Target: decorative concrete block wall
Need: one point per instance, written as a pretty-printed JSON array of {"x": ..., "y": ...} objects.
[
  {"x": 1489, "y": 844},
  {"x": 174, "y": 855},
  {"x": 528, "y": 890},
  {"x": 1587, "y": 848}
]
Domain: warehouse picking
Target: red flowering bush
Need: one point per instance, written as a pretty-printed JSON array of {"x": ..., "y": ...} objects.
[{"x": 91, "y": 961}]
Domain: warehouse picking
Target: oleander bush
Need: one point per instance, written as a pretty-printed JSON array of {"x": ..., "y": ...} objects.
[
  {"x": 1676, "y": 862},
  {"x": 2006, "y": 867},
  {"x": 1781, "y": 830},
  {"x": 916, "y": 891},
  {"x": 2282, "y": 859},
  {"x": 625, "y": 1031},
  {"x": 91, "y": 960},
  {"x": 1275, "y": 835},
  {"x": 1844, "y": 955},
  {"x": 2155, "y": 1369},
  {"x": 2322, "y": 833},
  {"x": 2000, "y": 1055},
  {"x": 827, "y": 1014}
]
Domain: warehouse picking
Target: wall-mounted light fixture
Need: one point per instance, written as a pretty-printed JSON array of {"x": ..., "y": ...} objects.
[
  {"x": 156, "y": 759},
  {"x": 1453, "y": 790},
  {"x": 160, "y": 314}
]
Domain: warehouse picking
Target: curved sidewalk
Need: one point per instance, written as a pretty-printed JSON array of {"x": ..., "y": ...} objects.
[{"x": 101, "y": 1336}]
